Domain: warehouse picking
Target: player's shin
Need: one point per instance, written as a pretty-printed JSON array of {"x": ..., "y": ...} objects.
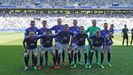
[
  {"x": 91, "y": 56},
  {"x": 26, "y": 60},
  {"x": 109, "y": 57},
  {"x": 41, "y": 60},
  {"x": 102, "y": 58},
  {"x": 96, "y": 54},
  {"x": 85, "y": 58},
  {"x": 63, "y": 57},
  {"x": 79, "y": 56},
  {"x": 46, "y": 57}
]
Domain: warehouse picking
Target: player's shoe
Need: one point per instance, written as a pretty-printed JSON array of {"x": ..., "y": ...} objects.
[
  {"x": 109, "y": 65},
  {"x": 90, "y": 66},
  {"x": 74, "y": 66},
  {"x": 101, "y": 66},
  {"x": 79, "y": 63},
  {"x": 56, "y": 67},
  {"x": 72, "y": 63},
  {"x": 35, "y": 68},
  {"x": 86, "y": 65},
  {"x": 71, "y": 67},
  {"x": 26, "y": 68},
  {"x": 40, "y": 68}
]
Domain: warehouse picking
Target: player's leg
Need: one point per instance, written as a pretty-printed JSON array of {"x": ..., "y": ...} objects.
[
  {"x": 35, "y": 58},
  {"x": 109, "y": 50},
  {"x": 127, "y": 40},
  {"x": 42, "y": 52},
  {"x": 79, "y": 57},
  {"x": 72, "y": 52},
  {"x": 91, "y": 56},
  {"x": 96, "y": 55},
  {"x": 63, "y": 58},
  {"x": 26, "y": 60},
  {"x": 131, "y": 40},
  {"x": 69, "y": 57},
  {"x": 46, "y": 58},
  {"x": 85, "y": 56},
  {"x": 102, "y": 56},
  {"x": 123, "y": 40}
]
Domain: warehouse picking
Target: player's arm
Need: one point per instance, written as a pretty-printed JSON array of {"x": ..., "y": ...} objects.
[
  {"x": 26, "y": 32},
  {"x": 87, "y": 30},
  {"x": 24, "y": 45}
]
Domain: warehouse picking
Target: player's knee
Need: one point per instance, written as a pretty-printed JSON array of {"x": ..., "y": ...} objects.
[
  {"x": 26, "y": 54},
  {"x": 35, "y": 54}
]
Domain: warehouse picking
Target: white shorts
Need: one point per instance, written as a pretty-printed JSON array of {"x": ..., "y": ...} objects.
[
  {"x": 81, "y": 48},
  {"x": 57, "y": 46},
  {"x": 73, "y": 47},
  {"x": 35, "y": 51},
  {"x": 64, "y": 47},
  {"x": 99, "y": 49},
  {"x": 108, "y": 49},
  {"x": 44, "y": 49}
]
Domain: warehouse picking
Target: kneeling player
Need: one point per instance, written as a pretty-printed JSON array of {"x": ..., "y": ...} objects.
[
  {"x": 30, "y": 45},
  {"x": 80, "y": 45},
  {"x": 47, "y": 44},
  {"x": 65, "y": 37},
  {"x": 98, "y": 44}
]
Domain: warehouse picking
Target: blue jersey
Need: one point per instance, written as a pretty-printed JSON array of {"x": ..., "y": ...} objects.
[
  {"x": 111, "y": 30},
  {"x": 31, "y": 43},
  {"x": 75, "y": 30},
  {"x": 64, "y": 37},
  {"x": 80, "y": 38},
  {"x": 47, "y": 41},
  {"x": 105, "y": 34},
  {"x": 42, "y": 31},
  {"x": 35, "y": 30},
  {"x": 57, "y": 28},
  {"x": 97, "y": 41}
]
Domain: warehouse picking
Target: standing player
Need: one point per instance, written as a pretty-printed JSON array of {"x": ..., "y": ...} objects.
[
  {"x": 125, "y": 34},
  {"x": 47, "y": 44},
  {"x": 131, "y": 36},
  {"x": 98, "y": 43},
  {"x": 92, "y": 29},
  {"x": 75, "y": 29},
  {"x": 80, "y": 39},
  {"x": 41, "y": 32},
  {"x": 108, "y": 39},
  {"x": 30, "y": 45},
  {"x": 33, "y": 29},
  {"x": 58, "y": 28},
  {"x": 65, "y": 41}
]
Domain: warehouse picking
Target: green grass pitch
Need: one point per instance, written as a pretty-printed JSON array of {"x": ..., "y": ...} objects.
[{"x": 11, "y": 59}]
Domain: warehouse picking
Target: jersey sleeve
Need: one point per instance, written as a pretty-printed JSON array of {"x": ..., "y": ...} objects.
[{"x": 87, "y": 30}]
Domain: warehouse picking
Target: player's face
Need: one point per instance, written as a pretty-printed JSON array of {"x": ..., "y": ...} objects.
[
  {"x": 112, "y": 26},
  {"x": 59, "y": 21},
  {"x": 75, "y": 23},
  {"x": 94, "y": 22},
  {"x": 66, "y": 28},
  {"x": 105, "y": 26},
  {"x": 31, "y": 34},
  {"x": 44, "y": 23},
  {"x": 98, "y": 34},
  {"x": 32, "y": 24},
  {"x": 48, "y": 34},
  {"x": 82, "y": 29}
]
